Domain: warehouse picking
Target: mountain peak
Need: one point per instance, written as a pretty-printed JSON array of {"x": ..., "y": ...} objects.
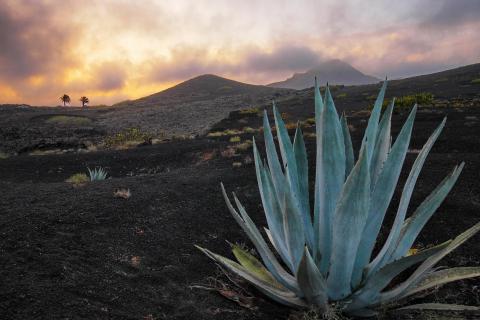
[{"x": 334, "y": 71}]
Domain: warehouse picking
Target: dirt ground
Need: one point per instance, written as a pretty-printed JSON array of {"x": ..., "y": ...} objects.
[{"x": 79, "y": 253}]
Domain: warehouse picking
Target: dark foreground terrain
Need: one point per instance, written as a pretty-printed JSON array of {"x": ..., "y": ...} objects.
[{"x": 79, "y": 253}]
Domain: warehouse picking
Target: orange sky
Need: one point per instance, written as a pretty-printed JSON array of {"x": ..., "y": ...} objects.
[{"x": 113, "y": 50}]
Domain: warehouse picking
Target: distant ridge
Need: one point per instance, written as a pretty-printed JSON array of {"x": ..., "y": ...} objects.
[
  {"x": 204, "y": 87},
  {"x": 334, "y": 71}
]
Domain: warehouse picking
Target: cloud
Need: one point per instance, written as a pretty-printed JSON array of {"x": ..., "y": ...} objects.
[
  {"x": 32, "y": 41},
  {"x": 109, "y": 76},
  {"x": 453, "y": 13},
  {"x": 283, "y": 58}
]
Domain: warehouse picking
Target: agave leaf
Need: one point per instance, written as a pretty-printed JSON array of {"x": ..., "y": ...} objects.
[
  {"x": 286, "y": 151},
  {"x": 330, "y": 175},
  {"x": 302, "y": 173},
  {"x": 369, "y": 292},
  {"x": 293, "y": 229},
  {"x": 413, "y": 280},
  {"x": 387, "y": 250},
  {"x": 372, "y": 126},
  {"x": 350, "y": 159},
  {"x": 381, "y": 196},
  {"x": 311, "y": 281},
  {"x": 271, "y": 206},
  {"x": 268, "y": 258},
  {"x": 254, "y": 266},
  {"x": 278, "y": 177},
  {"x": 350, "y": 218},
  {"x": 442, "y": 277},
  {"x": 282, "y": 296},
  {"x": 318, "y": 99},
  {"x": 415, "y": 224},
  {"x": 382, "y": 144},
  {"x": 439, "y": 307}
]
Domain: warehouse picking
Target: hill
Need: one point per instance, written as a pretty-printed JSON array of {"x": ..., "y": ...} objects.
[
  {"x": 332, "y": 71},
  {"x": 204, "y": 87}
]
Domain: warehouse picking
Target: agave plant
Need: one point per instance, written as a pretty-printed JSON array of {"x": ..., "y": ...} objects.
[
  {"x": 327, "y": 252},
  {"x": 97, "y": 174}
]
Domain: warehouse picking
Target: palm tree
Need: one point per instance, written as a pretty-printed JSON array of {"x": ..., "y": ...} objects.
[
  {"x": 84, "y": 100},
  {"x": 65, "y": 99}
]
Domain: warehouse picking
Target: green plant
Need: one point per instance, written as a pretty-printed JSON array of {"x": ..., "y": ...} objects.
[
  {"x": 235, "y": 139},
  {"x": 78, "y": 178},
  {"x": 252, "y": 110},
  {"x": 97, "y": 174},
  {"x": 127, "y": 137},
  {"x": 328, "y": 260},
  {"x": 247, "y": 144},
  {"x": 475, "y": 81},
  {"x": 408, "y": 101}
]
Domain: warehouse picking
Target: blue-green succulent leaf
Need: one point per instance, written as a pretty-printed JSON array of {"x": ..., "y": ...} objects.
[
  {"x": 271, "y": 206},
  {"x": 273, "y": 160},
  {"x": 372, "y": 126},
  {"x": 440, "y": 307},
  {"x": 382, "y": 144},
  {"x": 302, "y": 173},
  {"x": 311, "y": 281},
  {"x": 371, "y": 289},
  {"x": 293, "y": 229},
  {"x": 381, "y": 196},
  {"x": 318, "y": 99},
  {"x": 415, "y": 224},
  {"x": 268, "y": 258},
  {"x": 439, "y": 278},
  {"x": 286, "y": 151},
  {"x": 386, "y": 252},
  {"x": 350, "y": 218},
  {"x": 282, "y": 296},
  {"x": 330, "y": 175},
  {"x": 349, "y": 157},
  {"x": 419, "y": 274}
]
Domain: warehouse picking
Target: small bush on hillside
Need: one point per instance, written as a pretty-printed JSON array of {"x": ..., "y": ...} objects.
[
  {"x": 235, "y": 139},
  {"x": 129, "y": 136},
  {"x": 78, "y": 178},
  {"x": 252, "y": 110},
  {"x": 475, "y": 81}
]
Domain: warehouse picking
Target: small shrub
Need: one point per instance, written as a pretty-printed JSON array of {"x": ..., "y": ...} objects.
[
  {"x": 215, "y": 134},
  {"x": 475, "y": 81},
  {"x": 342, "y": 95},
  {"x": 127, "y": 137},
  {"x": 244, "y": 146},
  {"x": 78, "y": 178},
  {"x": 235, "y": 139},
  {"x": 231, "y": 132},
  {"x": 97, "y": 174},
  {"x": 3, "y": 155},
  {"x": 310, "y": 121},
  {"x": 408, "y": 101},
  {"x": 252, "y": 110},
  {"x": 249, "y": 130}
]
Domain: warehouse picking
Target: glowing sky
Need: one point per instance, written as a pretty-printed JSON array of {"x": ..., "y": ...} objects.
[{"x": 112, "y": 50}]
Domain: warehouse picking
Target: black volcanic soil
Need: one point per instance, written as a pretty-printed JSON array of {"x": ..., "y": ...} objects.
[{"x": 79, "y": 253}]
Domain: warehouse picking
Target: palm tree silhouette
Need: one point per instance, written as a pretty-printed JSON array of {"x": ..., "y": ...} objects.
[
  {"x": 84, "y": 100},
  {"x": 65, "y": 99}
]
